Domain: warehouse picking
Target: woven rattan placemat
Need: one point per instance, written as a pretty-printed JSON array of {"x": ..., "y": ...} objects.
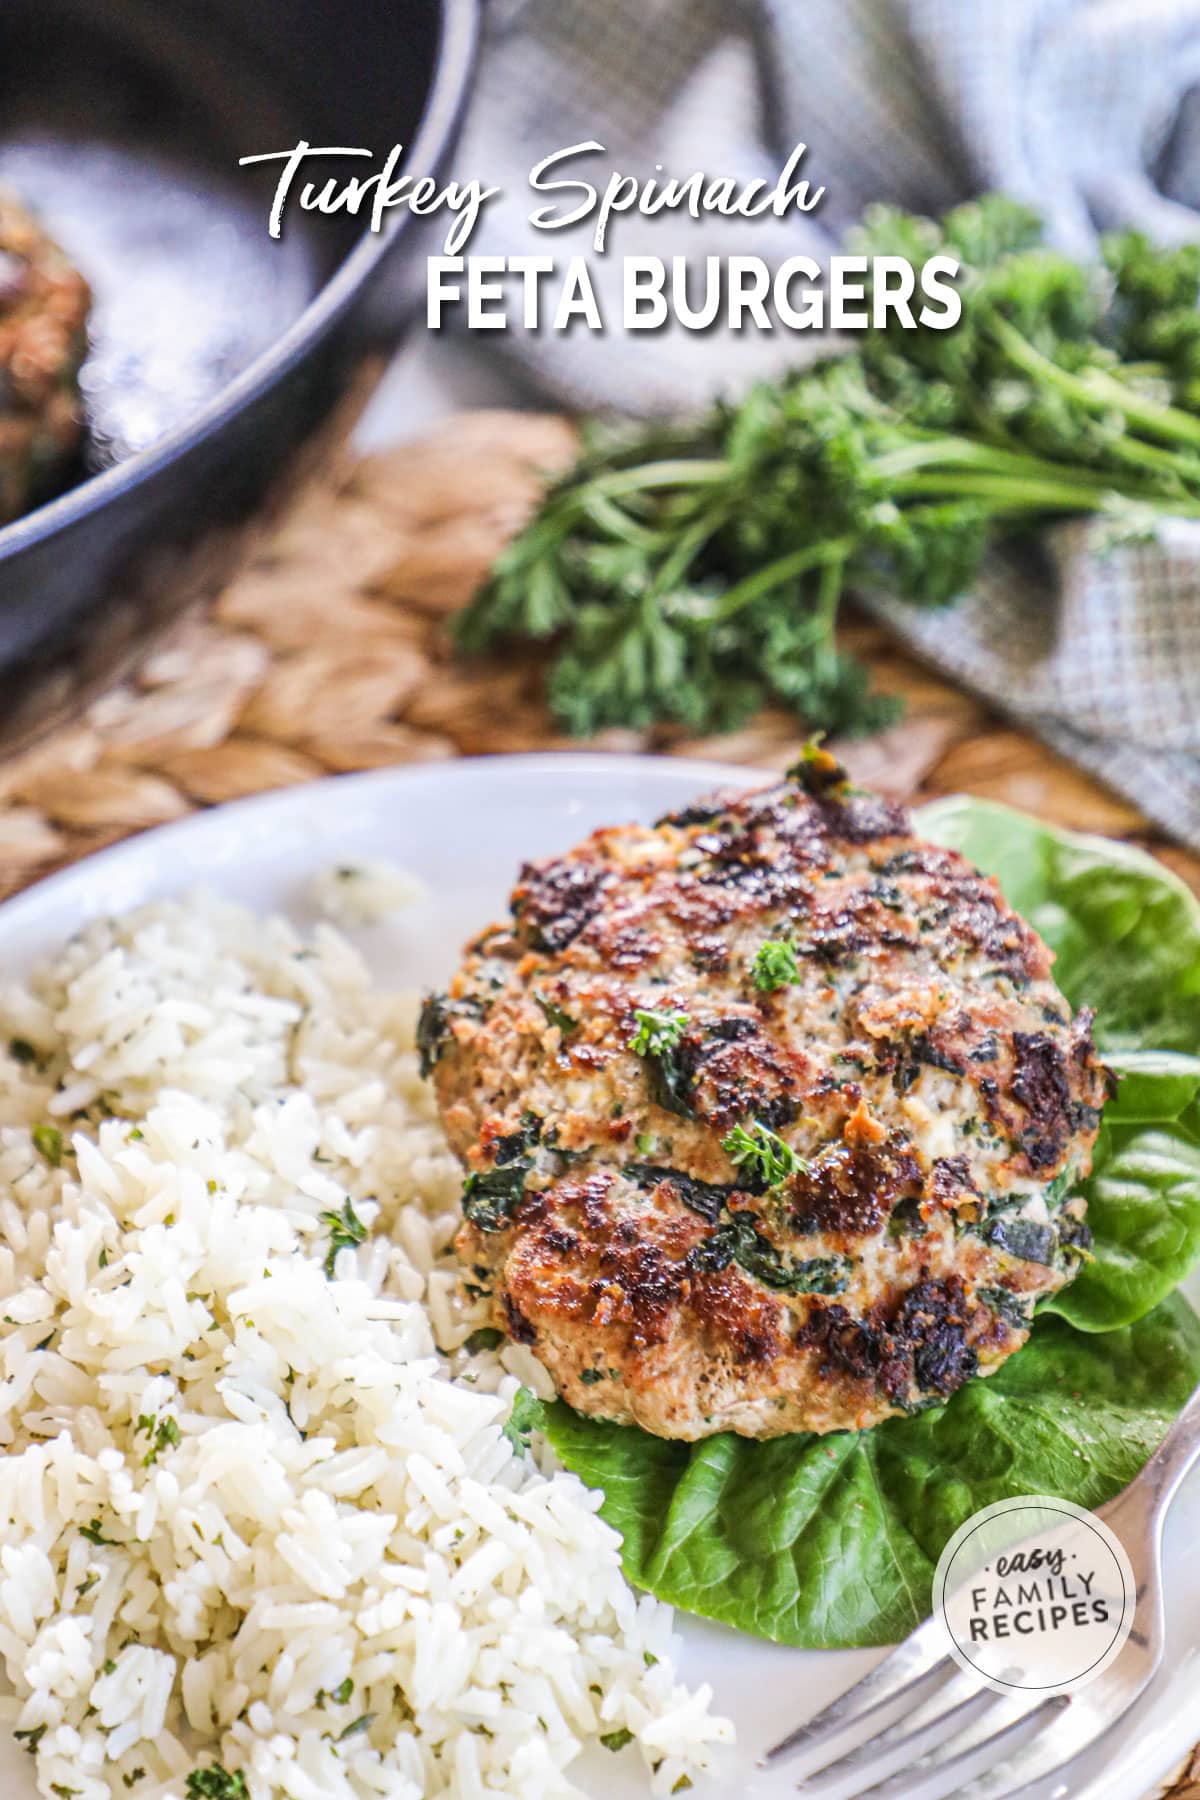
[{"x": 329, "y": 653}]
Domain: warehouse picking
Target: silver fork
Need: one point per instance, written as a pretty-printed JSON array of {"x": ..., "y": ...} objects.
[{"x": 917, "y": 1727}]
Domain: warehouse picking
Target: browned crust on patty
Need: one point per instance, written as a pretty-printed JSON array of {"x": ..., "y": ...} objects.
[{"x": 938, "y": 1101}]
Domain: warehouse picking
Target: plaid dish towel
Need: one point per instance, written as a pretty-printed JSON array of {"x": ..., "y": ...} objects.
[{"x": 1090, "y": 109}]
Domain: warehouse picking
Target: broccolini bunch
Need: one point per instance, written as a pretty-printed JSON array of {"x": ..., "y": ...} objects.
[{"x": 692, "y": 574}]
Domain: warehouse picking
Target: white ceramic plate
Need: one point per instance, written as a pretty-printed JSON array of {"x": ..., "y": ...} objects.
[{"x": 464, "y": 827}]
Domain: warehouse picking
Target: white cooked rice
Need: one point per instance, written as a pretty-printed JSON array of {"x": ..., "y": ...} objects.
[
  {"x": 250, "y": 1515},
  {"x": 366, "y": 892}
]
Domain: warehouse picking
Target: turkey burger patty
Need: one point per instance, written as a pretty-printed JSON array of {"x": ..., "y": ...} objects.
[{"x": 772, "y": 1116}]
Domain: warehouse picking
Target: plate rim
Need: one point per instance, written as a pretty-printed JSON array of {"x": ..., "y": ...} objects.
[{"x": 293, "y": 799}]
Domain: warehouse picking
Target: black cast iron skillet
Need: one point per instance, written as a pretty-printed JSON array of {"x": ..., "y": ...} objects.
[{"x": 216, "y": 351}]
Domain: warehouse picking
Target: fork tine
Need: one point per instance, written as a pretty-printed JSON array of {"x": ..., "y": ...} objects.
[
  {"x": 948, "y": 1776},
  {"x": 879, "y": 1757},
  {"x": 1054, "y": 1783},
  {"x": 906, "y": 1674}
]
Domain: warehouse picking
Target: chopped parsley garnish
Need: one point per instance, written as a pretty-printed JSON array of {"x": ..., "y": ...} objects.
[
  {"x": 761, "y": 1154},
  {"x": 356, "y": 1726},
  {"x": 94, "y": 1534},
  {"x": 616, "y": 1740},
  {"x": 216, "y": 1783},
  {"x": 342, "y": 1692},
  {"x": 775, "y": 965},
  {"x": 590, "y": 1377},
  {"x": 346, "y": 1230},
  {"x": 657, "y": 1032},
  {"x": 31, "y": 1739},
  {"x": 526, "y": 1416},
  {"x": 165, "y": 1432},
  {"x": 49, "y": 1140}
]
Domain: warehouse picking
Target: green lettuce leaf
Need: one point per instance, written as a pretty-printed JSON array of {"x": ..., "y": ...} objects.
[
  {"x": 1124, "y": 929},
  {"x": 832, "y": 1541},
  {"x": 829, "y": 1542},
  {"x": 1143, "y": 1194}
]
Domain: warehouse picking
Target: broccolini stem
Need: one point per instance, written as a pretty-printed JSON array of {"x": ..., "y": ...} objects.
[
  {"x": 615, "y": 522},
  {"x": 1097, "y": 390},
  {"x": 784, "y": 568},
  {"x": 682, "y": 471},
  {"x": 829, "y": 594},
  {"x": 1168, "y": 459},
  {"x": 1155, "y": 416},
  {"x": 1013, "y": 494},
  {"x": 680, "y": 559},
  {"x": 1009, "y": 486},
  {"x": 954, "y": 452},
  {"x": 970, "y": 453}
]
